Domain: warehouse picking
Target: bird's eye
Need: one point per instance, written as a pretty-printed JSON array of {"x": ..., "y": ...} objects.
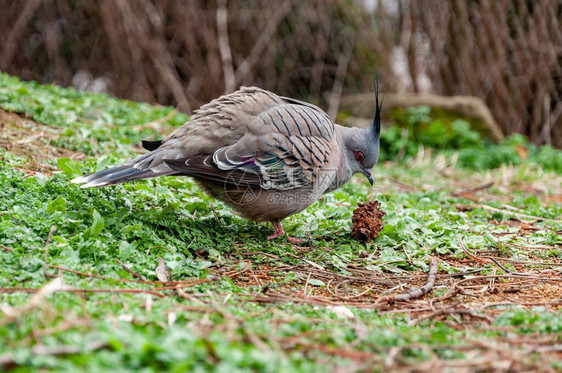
[{"x": 360, "y": 157}]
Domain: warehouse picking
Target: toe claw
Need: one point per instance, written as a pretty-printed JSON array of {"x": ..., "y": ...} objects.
[
  {"x": 274, "y": 235},
  {"x": 296, "y": 241},
  {"x": 280, "y": 232}
]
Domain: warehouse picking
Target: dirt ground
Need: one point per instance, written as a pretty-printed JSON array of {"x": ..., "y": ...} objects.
[{"x": 21, "y": 136}]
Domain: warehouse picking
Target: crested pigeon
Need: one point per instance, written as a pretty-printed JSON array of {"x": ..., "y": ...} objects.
[{"x": 266, "y": 156}]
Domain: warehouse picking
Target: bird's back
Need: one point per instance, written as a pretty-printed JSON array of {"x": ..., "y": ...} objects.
[
  {"x": 282, "y": 143},
  {"x": 222, "y": 121}
]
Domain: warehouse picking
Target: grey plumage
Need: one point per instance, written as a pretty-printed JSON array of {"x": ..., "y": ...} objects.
[{"x": 265, "y": 155}]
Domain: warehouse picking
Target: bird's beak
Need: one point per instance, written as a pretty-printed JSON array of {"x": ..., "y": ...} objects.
[{"x": 369, "y": 175}]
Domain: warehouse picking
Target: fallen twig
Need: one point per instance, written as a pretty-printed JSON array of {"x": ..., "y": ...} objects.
[
  {"x": 407, "y": 256},
  {"x": 506, "y": 212},
  {"x": 526, "y": 277},
  {"x": 450, "y": 294},
  {"x": 519, "y": 304},
  {"x": 418, "y": 292},
  {"x": 507, "y": 270},
  {"x": 533, "y": 247},
  {"x": 261, "y": 253},
  {"x": 291, "y": 343},
  {"x": 356, "y": 295},
  {"x": 166, "y": 283},
  {"x": 184, "y": 284},
  {"x": 488, "y": 259},
  {"x": 472, "y": 256},
  {"x": 450, "y": 311},
  {"x": 133, "y": 273},
  {"x": 472, "y": 190},
  {"x": 216, "y": 215},
  {"x": 36, "y": 301},
  {"x": 238, "y": 272}
]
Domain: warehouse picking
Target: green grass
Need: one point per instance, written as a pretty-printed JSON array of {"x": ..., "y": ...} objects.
[
  {"x": 90, "y": 123},
  {"x": 223, "y": 324}
]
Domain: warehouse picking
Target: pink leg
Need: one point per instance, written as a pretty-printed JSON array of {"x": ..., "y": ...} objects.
[{"x": 280, "y": 232}]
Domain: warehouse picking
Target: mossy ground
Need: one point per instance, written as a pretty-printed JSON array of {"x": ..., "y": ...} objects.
[{"x": 80, "y": 288}]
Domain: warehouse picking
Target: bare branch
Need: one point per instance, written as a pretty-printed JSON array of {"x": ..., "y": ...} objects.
[
  {"x": 224, "y": 46},
  {"x": 337, "y": 88},
  {"x": 263, "y": 41},
  {"x": 419, "y": 292}
]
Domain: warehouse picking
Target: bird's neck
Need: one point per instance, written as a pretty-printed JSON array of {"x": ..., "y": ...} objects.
[{"x": 344, "y": 171}]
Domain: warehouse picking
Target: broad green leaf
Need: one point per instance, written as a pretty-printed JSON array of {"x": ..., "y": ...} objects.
[
  {"x": 41, "y": 179},
  {"x": 58, "y": 204},
  {"x": 68, "y": 166},
  {"x": 97, "y": 224},
  {"x": 125, "y": 250}
]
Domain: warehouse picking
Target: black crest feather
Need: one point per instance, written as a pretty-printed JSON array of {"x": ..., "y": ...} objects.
[{"x": 376, "y": 126}]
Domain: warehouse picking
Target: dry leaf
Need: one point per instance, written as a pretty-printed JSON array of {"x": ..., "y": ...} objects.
[
  {"x": 162, "y": 272},
  {"x": 341, "y": 311}
]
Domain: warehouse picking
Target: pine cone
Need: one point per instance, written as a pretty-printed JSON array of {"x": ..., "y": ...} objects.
[{"x": 367, "y": 221}]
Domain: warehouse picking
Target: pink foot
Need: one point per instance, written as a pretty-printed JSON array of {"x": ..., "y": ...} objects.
[
  {"x": 296, "y": 241},
  {"x": 280, "y": 232}
]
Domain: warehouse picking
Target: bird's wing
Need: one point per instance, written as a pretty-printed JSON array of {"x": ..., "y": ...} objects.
[
  {"x": 250, "y": 135},
  {"x": 283, "y": 148}
]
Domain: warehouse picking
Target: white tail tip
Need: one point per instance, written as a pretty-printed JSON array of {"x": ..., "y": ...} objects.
[
  {"x": 93, "y": 184},
  {"x": 78, "y": 180}
]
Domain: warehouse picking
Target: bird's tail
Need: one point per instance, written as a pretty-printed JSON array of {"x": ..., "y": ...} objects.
[{"x": 144, "y": 167}]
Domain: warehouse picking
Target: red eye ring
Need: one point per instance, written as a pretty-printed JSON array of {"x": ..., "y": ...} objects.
[{"x": 359, "y": 156}]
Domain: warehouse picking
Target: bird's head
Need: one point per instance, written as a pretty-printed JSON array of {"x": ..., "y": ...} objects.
[{"x": 363, "y": 145}]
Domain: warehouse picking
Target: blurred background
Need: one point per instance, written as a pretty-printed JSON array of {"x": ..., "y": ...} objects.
[{"x": 184, "y": 53}]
